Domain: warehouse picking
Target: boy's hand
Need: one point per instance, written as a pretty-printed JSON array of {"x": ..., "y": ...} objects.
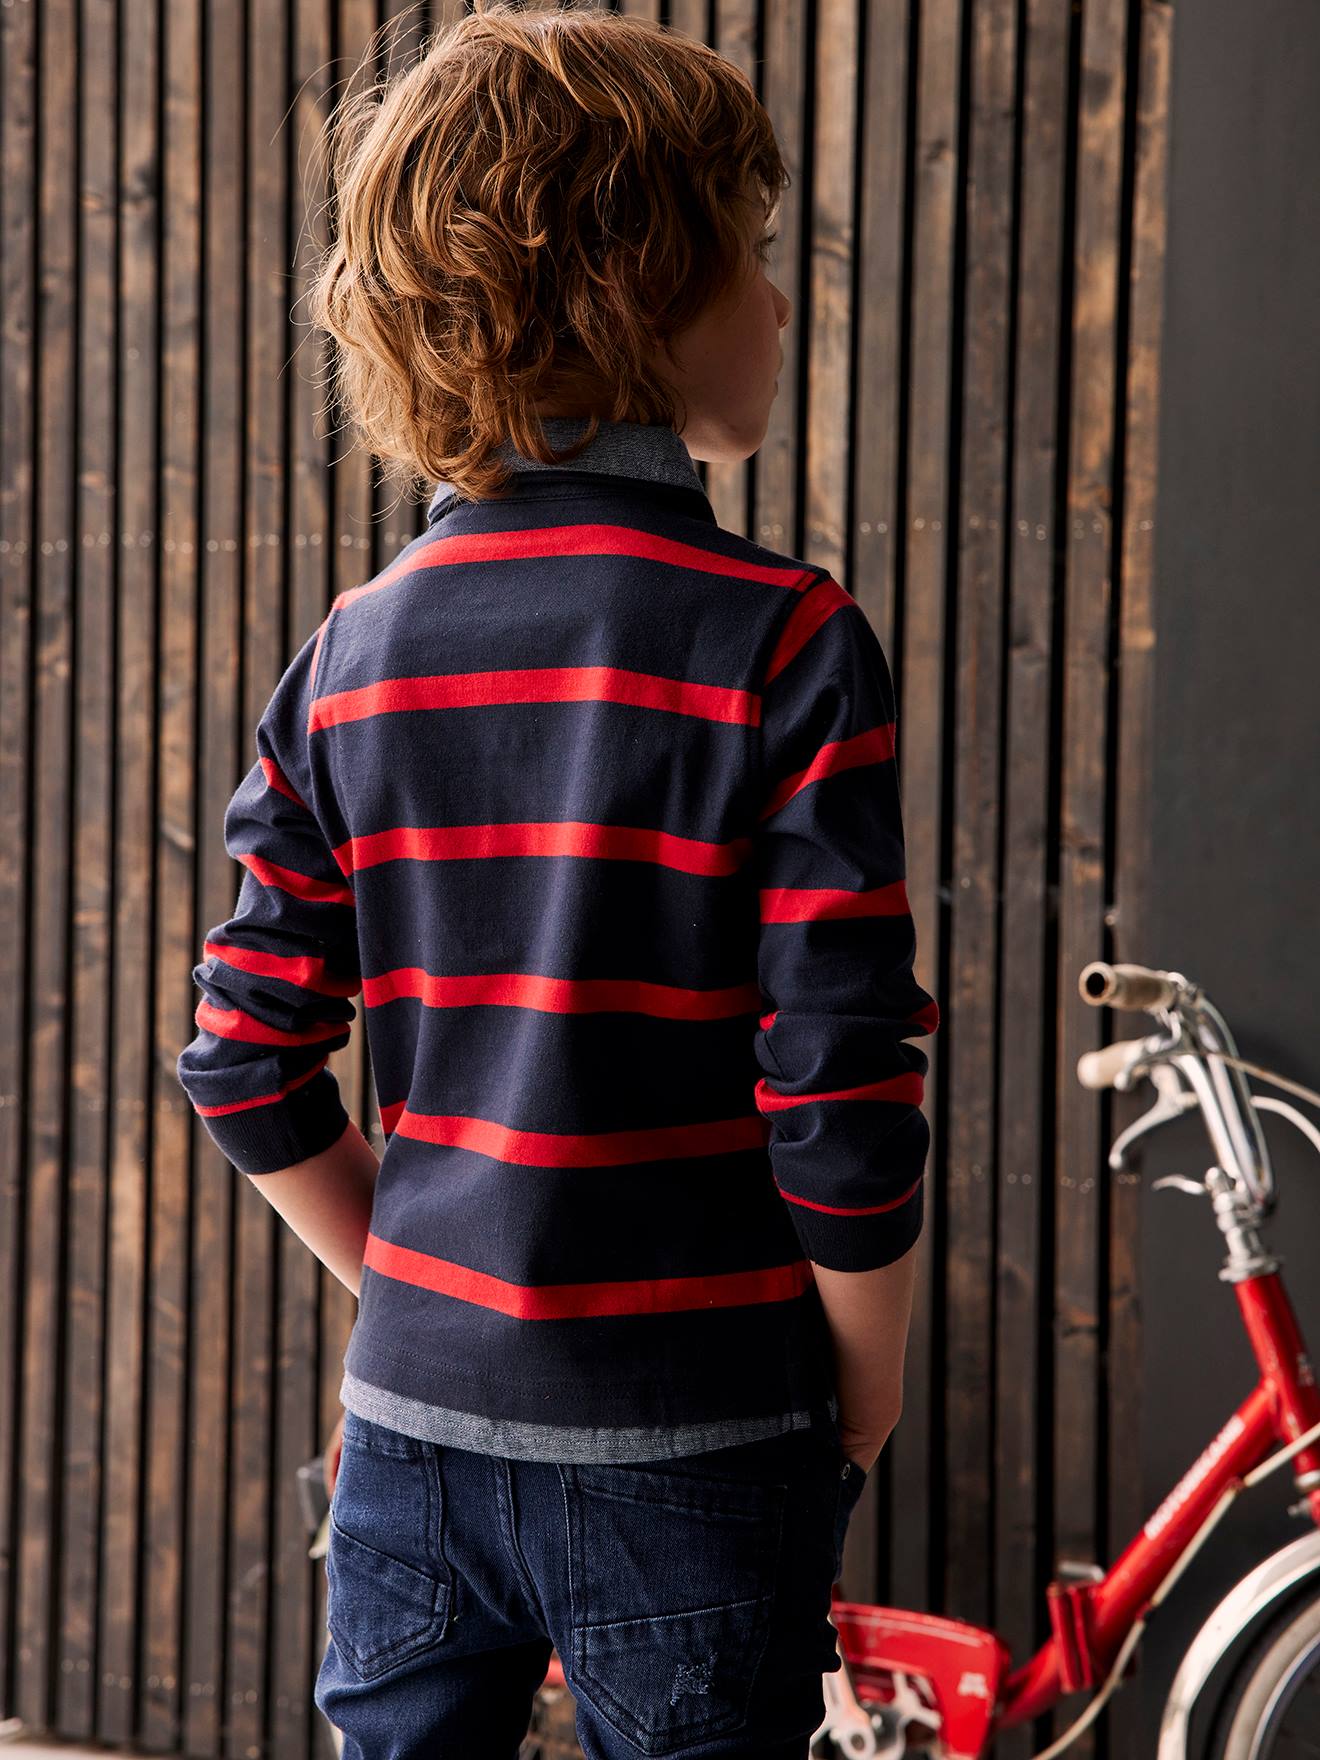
[
  {"x": 864, "y": 1443},
  {"x": 331, "y": 1452}
]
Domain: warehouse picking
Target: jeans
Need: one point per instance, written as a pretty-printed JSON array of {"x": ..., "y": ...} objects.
[{"x": 687, "y": 1597}]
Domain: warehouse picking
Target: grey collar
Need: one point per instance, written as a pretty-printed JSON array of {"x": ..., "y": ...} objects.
[{"x": 648, "y": 450}]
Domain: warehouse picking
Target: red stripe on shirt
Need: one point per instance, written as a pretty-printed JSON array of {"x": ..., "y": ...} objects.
[
  {"x": 484, "y": 1136},
  {"x": 554, "y": 542},
  {"x": 307, "y": 971},
  {"x": 578, "y": 1301},
  {"x": 907, "y": 1088},
  {"x": 875, "y": 746},
  {"x": 263, "y": 1099},
  {"x": 852, "y": 1209},
  {"x": 303, "y": 886},
  {"x": 559, "y": 995},
  {"x": 275, "y": 778},
  {"x": 811, "y": 904},
  {"x": 818, "y": 605},
  {"x": 539, "y": 684},
  {"x": 567, "y": 837},
  {"x": 235, "y": 1023}
]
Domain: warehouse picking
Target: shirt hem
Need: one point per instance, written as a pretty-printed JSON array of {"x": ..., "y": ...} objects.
[{"x": 517, "y": 1439}]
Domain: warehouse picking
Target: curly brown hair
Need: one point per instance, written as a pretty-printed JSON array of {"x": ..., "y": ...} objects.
[{"x": 543, "y": 198}]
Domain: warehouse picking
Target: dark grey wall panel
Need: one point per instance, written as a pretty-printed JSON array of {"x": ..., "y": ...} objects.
[{"x": 1235, "y": 882}]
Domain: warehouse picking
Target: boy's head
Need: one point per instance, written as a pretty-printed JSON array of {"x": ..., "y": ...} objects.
[{"x": 552, "y": 212}]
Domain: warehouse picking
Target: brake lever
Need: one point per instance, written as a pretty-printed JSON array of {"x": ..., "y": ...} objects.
[
  {"x": 1173, "y": 1100},
  {"x": 1195, "y": 1188}
]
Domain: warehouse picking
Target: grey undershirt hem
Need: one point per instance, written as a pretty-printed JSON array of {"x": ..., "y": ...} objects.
[{"x": 558, "y": 1442}]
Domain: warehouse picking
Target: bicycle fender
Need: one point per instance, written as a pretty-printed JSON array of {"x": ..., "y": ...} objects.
[{"x": 1242, "y": 1605}]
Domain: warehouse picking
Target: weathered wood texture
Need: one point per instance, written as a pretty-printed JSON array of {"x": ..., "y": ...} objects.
[{"x": 972, "y": 241}]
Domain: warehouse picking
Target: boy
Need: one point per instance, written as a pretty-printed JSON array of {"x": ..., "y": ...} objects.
[{"x": 594, "y": 804}]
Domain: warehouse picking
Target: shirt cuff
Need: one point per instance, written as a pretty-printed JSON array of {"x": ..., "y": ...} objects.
[
  {"x": 860, "y": 1243},
  {"x": 280, "y": 1133}
]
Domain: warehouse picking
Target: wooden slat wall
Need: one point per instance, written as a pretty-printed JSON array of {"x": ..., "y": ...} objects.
[{"x": 965, "y": 432}]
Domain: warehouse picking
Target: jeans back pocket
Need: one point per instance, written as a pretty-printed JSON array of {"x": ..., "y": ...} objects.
[
  {"x": 388, "y": 1582},
  {"x": 672, "y": 1586}
]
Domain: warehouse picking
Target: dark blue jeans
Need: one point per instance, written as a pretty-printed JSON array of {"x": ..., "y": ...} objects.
[{"x": 687, "y": 1598}]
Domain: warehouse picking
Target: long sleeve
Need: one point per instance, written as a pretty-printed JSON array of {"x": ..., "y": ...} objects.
[
  {"x": 276, "y": 977},
  {"x": 841, "y": 1086}
]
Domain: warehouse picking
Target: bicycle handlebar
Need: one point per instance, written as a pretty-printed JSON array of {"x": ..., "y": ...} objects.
[
  {"x": 1097, "y": 1069},
  {"x": 1128, "y": 986},
  {"x": 1198, "y": 1044}
]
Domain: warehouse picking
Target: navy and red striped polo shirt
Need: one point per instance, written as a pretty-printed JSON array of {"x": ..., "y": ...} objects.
[{"x": 593, "y": 807}]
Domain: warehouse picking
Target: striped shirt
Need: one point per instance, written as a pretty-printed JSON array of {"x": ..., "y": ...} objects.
[{"x": 592, "y": 805}]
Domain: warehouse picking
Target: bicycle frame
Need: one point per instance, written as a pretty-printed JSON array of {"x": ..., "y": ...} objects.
[
  {"x": 967, "y": 1668},
  {"x": 1283, "y": 1404}
]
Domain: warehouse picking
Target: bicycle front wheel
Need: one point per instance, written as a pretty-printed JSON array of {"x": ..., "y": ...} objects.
[{"x": 1271, "y": 1709}]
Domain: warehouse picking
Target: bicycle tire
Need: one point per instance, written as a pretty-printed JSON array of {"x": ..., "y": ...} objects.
[{"x": 1268, "y": 1669}]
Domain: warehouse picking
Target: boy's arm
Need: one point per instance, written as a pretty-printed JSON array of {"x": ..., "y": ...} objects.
[
  {"x": 841, "y": 1084},
  {"x": 326, "y": 1201},
  {"x": 276, "y": 979},
  {"x": 869, "y": 1313}
]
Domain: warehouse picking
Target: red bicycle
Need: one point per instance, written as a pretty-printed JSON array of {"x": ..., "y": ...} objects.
[{"x": 916, "y": 1683}]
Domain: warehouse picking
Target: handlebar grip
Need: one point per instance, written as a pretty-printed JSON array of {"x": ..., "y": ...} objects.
[
  {"x": 1097, "y": 1069},
  {"x": 1127, "y": 986}
]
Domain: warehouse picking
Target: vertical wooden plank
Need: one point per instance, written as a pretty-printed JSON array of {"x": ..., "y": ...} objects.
[
  {"x": 880, "y": 249},
  {"x": 231, "y": 1713},
  {"x": 53, "y": 757},
  {"x": 1136, "y": 743},
  {"x": 407, "y": 26},
  {"x": 18, "y": 634},
  {"x": 776, "y": 513},
  {"x": 728, "y": 484},
  {"x": 1079, "y": 1244},
  {"x": 296, "y": 1644},
  {"x": 141, "y": 200},
  {"x": 1025, "y": 996},
  {"x": 177, "y": 927},
  {"x": 691, "y": 18},
  {"x": 973, "y": 956},
  {"x": 827, "y": 417},
  {"x": 90, "y": 522},
  {"x": 920, "y": 662}
]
